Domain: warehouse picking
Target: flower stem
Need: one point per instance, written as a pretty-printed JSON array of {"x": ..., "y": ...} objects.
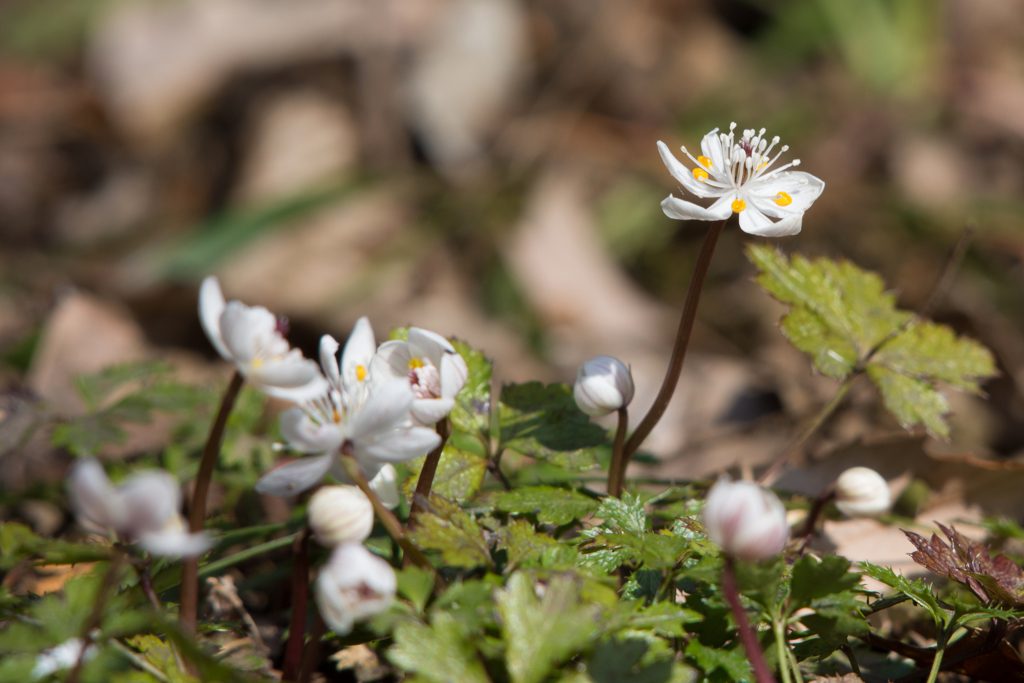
[
  {"x": 311, "y": 654},
  {"x": 617, "y": 468},
  {"x": 747, "y": 636},
  {"x": 300, "y": 597},
  {"x": 426, "y": 479},
  {"x": 780, "y": 649},
  {"x": 797, "y": 445},
  {"x": 940, "y": 649},
  {"x": 189, "y": 605},
  {"x": 675, "y": 364},
  {"x": 386, "y": 517},
  {"x": 827, "y": 494}
]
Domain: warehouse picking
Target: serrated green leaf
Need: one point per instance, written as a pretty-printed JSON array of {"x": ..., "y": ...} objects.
[
  {"x": 472, "y": 413},
  {"x": 97, "y": 388},
  {"x": 527, "y": 548},
  {"x": 843, "y": 317},
  {"x": 918, "y": 591},
  {"x": 471, "y": 602},
  {"x": 626, "y": 513},
  {"x": 813, "y": 579},
  {"x": 665, "y": 618},
  {"x": 440, "y": 652},
  {"x": 455, "y": 533},
  {"x": 543, "y": 422},
  {"x": 542, "y": 634},
  {"x": 459, "y": 476},
  {"x": 618, "y": 661},
  {"x": 836, "y": 617},
  {"x": 416, "y": 585},
  {"x": 732, "y": 662},
  {"x": 552, "y": 505}
]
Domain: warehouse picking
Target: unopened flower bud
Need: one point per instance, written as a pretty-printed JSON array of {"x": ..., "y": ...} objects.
[
  {"x": 603, "y": 385},
  {"x": 748, "y": 521},
  {"x": 340, "y": 514},
  {"x": 862, "y": 492},
  {"x": 354, "y": 584}
]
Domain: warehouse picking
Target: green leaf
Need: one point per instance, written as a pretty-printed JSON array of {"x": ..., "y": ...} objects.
[
  {"x": 843, "y": 317},
  {"x": 664, "y": 618},
  {"x": 18, "y": 542},
  {"x": 455, "y": 533},
  {"x": 618, "y": 661},
  {"x": 543, "y": 422},
  {"x": 552, "y": 505},
  {"x": 526, "y": 547},
  {"x": 416, "y": 585},
  {"x": 97, "y": 388},
  {"x": 814, "y": 579},
  {"x": 541, "y": 634},
  {"x": 918, "y": 591},
  {"x": 472, "y": 413},
  {"x": 732, "y": 663},
  {"x": 459, "y": 476},
  {"x": 626, "y": 513},
  {"x": 839, "y": 618},
  {"x": 440, "y": 652}
]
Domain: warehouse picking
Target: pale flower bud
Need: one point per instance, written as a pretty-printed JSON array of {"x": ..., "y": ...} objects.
[
  {"x": 862, "y": 492},
  {"x": 340, "y": 514},
  {"x": 603, "y": 385},
  {"x": 748, "y": 521},
  {"x": 354, "y": 585}
]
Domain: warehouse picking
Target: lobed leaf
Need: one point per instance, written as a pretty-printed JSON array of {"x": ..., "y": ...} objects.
[
  {"x": 459, "y": 476},
  {"x": 553, "y": 505},
  {"x": 440, "y": 652},
  {"x": 447, "y": 528},
  {"x": 472, "y": 411}
]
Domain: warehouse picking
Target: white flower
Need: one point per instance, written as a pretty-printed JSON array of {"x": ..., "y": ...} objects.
[
  {"x": 862, "y": 492},
  {"x": 748, "y": 521},
  {"x": 434, "y": 369},
  {"x": 603, "y": 385},
  {"x": 143, "y": 509},
  {"x": 368, "y": 419},
  {"x": 353, "y": 585},
  {"x": 250, "y": 337},
  {"x": 740, "y": 176},
  {"x": 340, "y": 514},
  {"x": 63, "y": 656}
]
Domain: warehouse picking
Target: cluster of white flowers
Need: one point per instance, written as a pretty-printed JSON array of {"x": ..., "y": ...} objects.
[
  {"x": 144, "y": 509},
  {"x": 63, "y": 656}
]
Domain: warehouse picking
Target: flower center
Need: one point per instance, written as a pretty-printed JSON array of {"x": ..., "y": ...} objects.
[
  {"x": 783, "y": 199},
  {"x": 704, "y": 161},
  {"x": 360, "y": 373},
  {"x": 700, "y": 174},
  {"x": 739, "y": 205},
  {"x": 415, "y": 363},
  {"x": 424, "y": 379}
]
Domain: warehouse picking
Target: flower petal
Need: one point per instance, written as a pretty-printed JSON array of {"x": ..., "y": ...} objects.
[
  {"x": 454, "y": 374},
  {"x": 383, "y": 411},
  {"x": 683, "y": 210},
  {"x": 802, "y": 188},
  {"x": 711, "y": 145},
  {"x": 754, "y": 222},
  {"x": 429, "y": 345},
  {"x": 211, "y": 307},
  {"x": 391, "y": 361},
  {"x": 290, "y": 372},
  {"x": 316, "y": 388},
  {"x": 92, "y": 496},
  {"x": 430, "y": 411},
  {"x": 329, "y": 359},
  {"x": 296, "y": 476},
  {"x": 398, "y": 446},
  {"x": 175, "y": 543},
  {"x": 385, "y": 485},
  {"x": 246, "y": 329},
  {"x": 151, "y": 498},
  {"x": 681, "y": 173},
  {"x": 305, "y": 435},
  {"x": 359, "y": 350}
]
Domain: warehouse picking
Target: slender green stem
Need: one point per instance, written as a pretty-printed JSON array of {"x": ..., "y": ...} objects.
[
  {"x": 797, "y": 445},
  {"x": 747, "y": 636},
  {"x": 189, "y": 606},
  {"x": 617, "y": 468},
  {"x": 247, "y": 554},
  {"x": 300, "y": 596},
  {"x": 940, "y": 649},
  {"x": 675, "y": 364},
  {"x": 781, "y": 649},
  {"x": 429, "y": 469}
]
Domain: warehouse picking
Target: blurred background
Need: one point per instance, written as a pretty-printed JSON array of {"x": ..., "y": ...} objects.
[{"x": 487, "y": 169}]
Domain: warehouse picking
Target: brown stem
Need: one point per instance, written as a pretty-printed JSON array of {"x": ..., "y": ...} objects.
[
  {"x": 300, "y": 597},
  {"x": 386, "y": 517},
  {"x": 747, "y": 636},
  {"x": 675, "y": 364},
  {"x": 426, "y": 479},
  {"x": 827, "y": 494},
  {"x": 617, "y": 468},
  {"x": 311, "y": 654},
  {"x": 96, "y": 616},
  {"x": 189, "y": 605},
  {"x": 146, "y": 582}
]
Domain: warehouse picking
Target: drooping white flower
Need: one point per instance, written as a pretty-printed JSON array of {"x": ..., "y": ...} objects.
[
  {"x": 740, "y": 176},
  {"x": 370, "y": 420},
  {"x": 251, "y": 338},
  {"x": 340, "y": 514},
  {"x": 63, "y": 656},
  {"x": 603, "y": 385},
  {"x": 434, "y": 369},
  {"x": 354, "y": 584},
  {"x": 862, "y": 492},
  {"x": 748, "y": 521},
  {"x": 144, "y": 509}
]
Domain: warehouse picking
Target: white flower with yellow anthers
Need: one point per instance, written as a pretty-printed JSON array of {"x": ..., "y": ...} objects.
[
  {"x": 741, "y": 175},
  {"x": 251, "y": 338},
  {"x": 434, "y": 369},
  {"x": 347, "y": 411}
]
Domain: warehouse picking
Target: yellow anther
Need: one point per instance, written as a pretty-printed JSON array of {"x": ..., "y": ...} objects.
[
  {"x": 704, "y": 161},
  {"x": 337, "y": 416},
  {"x": 360, "y": 373},
  {"x": 783, "y": 199},
  {"x": 257, "y": 363},
  {"x": 700, "y": 174},
  {"x": 739, "y": 205},
  {"x": 415, "y": 363}
]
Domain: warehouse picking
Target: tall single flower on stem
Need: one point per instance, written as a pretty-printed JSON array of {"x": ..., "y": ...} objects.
[
  {"x": 605, "y": 384},
  {"x": 348, "y": 412},
  {"x": 742, "y": 177}
]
